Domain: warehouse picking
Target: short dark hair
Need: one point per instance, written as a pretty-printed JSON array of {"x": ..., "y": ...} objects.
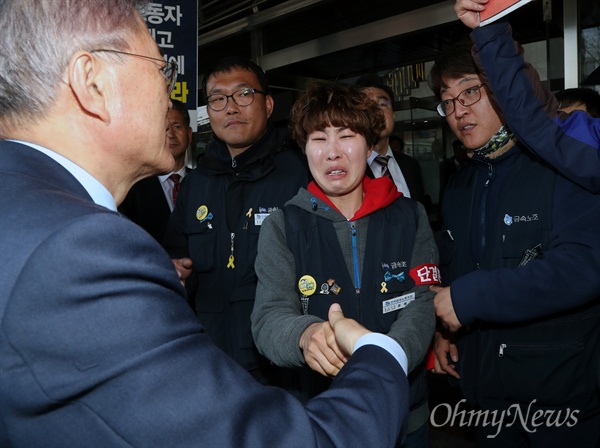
[
  {"x": 589, "y": 98},
  {"x": 454, "y": 63},
  {"x": 227, "y": 64},
  {"x": 376, "y": 81},
  {"x": 331, "y": 104},
  {"x": 178, "y": 105}
]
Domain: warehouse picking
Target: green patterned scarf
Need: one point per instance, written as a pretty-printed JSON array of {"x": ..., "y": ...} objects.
[{"x": 498, "y": 140}]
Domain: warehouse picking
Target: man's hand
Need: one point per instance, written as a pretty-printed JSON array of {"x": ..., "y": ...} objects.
[
  {"x": 444, "y": 309},
  {"x": 467, "y": 10},
  {"x": 321, "y": 351},
  {"x": 347, "y": 331},
  {"x": 442, "y": 347},
  {"x": 183, "y": 266}
]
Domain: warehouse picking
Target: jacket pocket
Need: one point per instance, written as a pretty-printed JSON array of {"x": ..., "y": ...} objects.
[
  {"x": 202, "y": 248},
  {"x": 552, "y": 374},
  {"x": 520, "y": 248}
]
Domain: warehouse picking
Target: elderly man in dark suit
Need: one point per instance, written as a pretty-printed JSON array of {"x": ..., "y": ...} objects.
[{"x": 97, "y": 344}]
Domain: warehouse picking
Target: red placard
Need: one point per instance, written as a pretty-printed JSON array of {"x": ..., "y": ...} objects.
[{"x": 495, "y": 9}]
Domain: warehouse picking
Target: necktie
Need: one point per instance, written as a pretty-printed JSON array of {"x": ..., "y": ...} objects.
[
  {"x": 383, "y": 162},
  {"x": 176, "y": 183}
]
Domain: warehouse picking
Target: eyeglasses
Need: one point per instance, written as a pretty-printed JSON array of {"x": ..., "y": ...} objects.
[
  {"x": 242, "y": 97},
  {"x": 169, "y": 69},
  {"x": 467, "y": 97}
]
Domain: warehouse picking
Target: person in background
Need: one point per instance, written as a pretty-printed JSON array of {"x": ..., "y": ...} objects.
[
  {"x": 97, "y": 344},
  {"x": 582, "y": 98},
  {"x": 412, "y": 168},
  {"x": 568, "y": 142},
  {"x": 383, "y": 161},
  {"x": 247, "y": 172},
  {"x": 150, "y": 201},
  {"x": 519, "y": 254},
  {"x": 350, "y": 239}
]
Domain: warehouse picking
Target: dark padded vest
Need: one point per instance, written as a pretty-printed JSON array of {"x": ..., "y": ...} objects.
[{"x": 317, "y": 252}]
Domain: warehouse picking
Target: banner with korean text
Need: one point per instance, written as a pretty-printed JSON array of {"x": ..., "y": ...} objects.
[{"x": 174, "y": 26}]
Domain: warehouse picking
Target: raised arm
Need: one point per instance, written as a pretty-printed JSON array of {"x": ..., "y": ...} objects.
[{"x": 571, "y": 144}]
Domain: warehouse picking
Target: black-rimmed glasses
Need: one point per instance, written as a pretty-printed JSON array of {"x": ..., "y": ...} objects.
[
  {"x": 467, "y": 97},
  {"x": 242, "y": 97},
  {"x": 169, "y": 69}
]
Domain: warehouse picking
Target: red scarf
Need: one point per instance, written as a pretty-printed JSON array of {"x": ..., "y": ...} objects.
[{"x": 378, "y": 194}]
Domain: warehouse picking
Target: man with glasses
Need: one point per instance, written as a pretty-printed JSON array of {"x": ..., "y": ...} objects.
[
  {"x": 569, "y": 140},
  {"x": 520, "y": 256},
  {"x": 169, "y": 69},
  {"x": 248, "y": 171},
  {"x": 97, "y": 344}
]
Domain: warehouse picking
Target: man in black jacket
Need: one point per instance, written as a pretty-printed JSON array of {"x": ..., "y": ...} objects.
[
  {"x": 519, "y": 255},
  {"x": 248, "y": 171}
]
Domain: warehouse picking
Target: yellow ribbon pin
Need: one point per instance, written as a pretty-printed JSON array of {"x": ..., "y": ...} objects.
[
  {"x": 384, "y": 287},
  {"x": 230, "y": 265}
]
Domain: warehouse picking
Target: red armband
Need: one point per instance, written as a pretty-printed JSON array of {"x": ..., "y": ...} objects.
[
  {"x": 430, "y": 358},
  {"x": 426, "y": 274}
]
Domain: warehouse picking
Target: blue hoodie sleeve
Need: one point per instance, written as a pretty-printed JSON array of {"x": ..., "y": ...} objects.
[{"x": 572, "y": 145}]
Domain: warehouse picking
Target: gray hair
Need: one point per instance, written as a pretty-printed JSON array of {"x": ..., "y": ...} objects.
[{"x": 37, "y": 40}]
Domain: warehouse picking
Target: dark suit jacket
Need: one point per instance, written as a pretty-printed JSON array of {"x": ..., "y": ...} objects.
[
  {"x": 98, "y": 346},
  {"x": 147, "y": 206},
  {"x": 411, "y": 169}
]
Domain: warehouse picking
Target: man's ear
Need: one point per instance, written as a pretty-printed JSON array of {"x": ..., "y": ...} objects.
[
  {"x": 369, "y": 152},
  {"x": 89, "y": 82},
  {"x": 269, "y": 103}
]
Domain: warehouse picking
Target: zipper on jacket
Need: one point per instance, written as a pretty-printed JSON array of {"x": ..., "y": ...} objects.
[
  {"x": 482, "y": 220},
  {"x": 355, "y": 263},
  {"x": 233, "y": 163},
  {"x": 230, "y": 264},
  {"x": 539, "y": 347}
]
